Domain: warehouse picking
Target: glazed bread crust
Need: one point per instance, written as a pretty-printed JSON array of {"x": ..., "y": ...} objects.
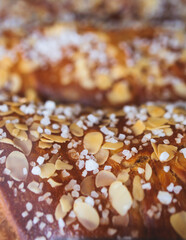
[
  {"x": 69, "y": 63},
  {"x": 93, "y": 173}
]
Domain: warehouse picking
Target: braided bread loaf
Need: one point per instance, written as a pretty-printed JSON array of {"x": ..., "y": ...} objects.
[
  {"x": 125, "y": 66},
  {"x": 72, "y": 172}
]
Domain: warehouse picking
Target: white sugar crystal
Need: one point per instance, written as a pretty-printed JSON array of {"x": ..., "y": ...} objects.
[
  {"x": 24, "y": 214},
  {"x": 89, "y": 200},
  {"x": 170, "y": 187},
  {"x": 164, "y": 156},
  {"x": 50, "y": 105},
  {"x": 49, "y": 218},
  {"x": 40, "y": 160},
  {"x": 164, "y": 197},
  {"x": 29, "y": 206},
  {"x": 91, "y": 165},
  {"x": 166, "y": 168},
  {"x": 183, "y": 150},
  {"x": 140, "y": 170},
  {"x": 177, "y": 189},
  {"x": 146, "y": 186},
  {"x": 36, "y": 170}
]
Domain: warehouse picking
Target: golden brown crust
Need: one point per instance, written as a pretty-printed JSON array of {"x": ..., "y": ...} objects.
[{"x": 143, "y": 156}]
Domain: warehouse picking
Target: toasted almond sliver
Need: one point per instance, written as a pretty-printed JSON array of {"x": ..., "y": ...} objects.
[
  {"x": 60, "y": 165},
  {"x": 104, "y": 178},
  {"x": 123, "y": 176},
  {"x": 138, "y": 128},
  {"x": 59, "y": 213},
  {"x": 102, "y": 156},
  {"x": 44, "y": 145},
  {"x": 120, "y": 93},
  {"x": 20, "y": 126},
  {"x": 112, "y": 146},
  {"x": 155, "y": 148},
  {"x": 34, "y": 187},
  {"x": 17, "y": 110},
  {"x": 25, "y": 146},
  {"x": 76, "y": 130},
  {"x": 121, "y": 221},
  {"x": 170, "y": 149},
  {"x": 53, "y": 183},
  {"x": 55, "y": 138},
  {"x": 117, "y": 157},
  {"x": 156, "y": 123},
  {"x": 168, "y": 132},
  {"x": 120, "y": 197},
  {"x": 47, "y": 170},
  {"x": 86, "y": 215},
  {"x": 138, "y": 192},
  {"x": 17, "y": 163},
  {"x": 178, "y": 222},
  {"x": 92, "y": 141},
  {"x": 46, "y": 140},
  {"x": 66, "y": 202},
  {"x": 87, "y": 185},
  {"x": 148, "y": 172},
  {"x": 155, "y": 111},
  {"x": 20, "y": 134}
]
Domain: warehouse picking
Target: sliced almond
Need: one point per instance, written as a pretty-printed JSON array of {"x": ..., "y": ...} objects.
[
  {"x": 120, "y": 221},
  {"x": 102, "y": 156},
  {"x": 87, "y": 215},
  {"x": 76, "y": 130},
  {"x": 168, "y": 132},
  {"x": 170, "y": 151},
  {"x": 155, "y": 111},
  {"x": 112, "y": 146},
  {"x": 25, "y": 146},
  {"x": 92, "y": 141},
  {"x": 66, "y": 202},
  {"x": 47, "y": 170},
  {"x": 53, "y": 183},
  {"x": 55, "y": 138},
  {"x": 60, "y": 165},
  {"x": 156, "y": 123},
  {"x": 117, "y": 157},
  {"x": 104, "y": 178},
  {"x": 178, "y": 222},
  {"x": 123, "y": 176},
  {"x": 138, "y": 192},
  {"x": 44, "y": 145},
  {"x": 148, "y": 172},
  {"x": 17, "y": 163},
  {"x": 138, "y": 128},
  {"x": 20, "y": 126},
  {"x": 34, "y": 187},
  {"x": 120, "y": 93},
  {"x": 59, "y": 213},
  {"x": 120, "y": 197},
  {"x": 87, "y": 185}
]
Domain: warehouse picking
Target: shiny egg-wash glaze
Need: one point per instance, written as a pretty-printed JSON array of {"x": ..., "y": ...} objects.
[
  {"x": 93, "y": 173},
  {"x": 69, "y": 63}
]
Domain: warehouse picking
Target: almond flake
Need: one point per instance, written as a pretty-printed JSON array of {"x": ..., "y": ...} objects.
[
  {"x": 138, "y": 192},
  {"x": 178, "y": 222},
  {"x": 76, "y": 130},
  {"x": 59, "y": 213},
  {"x": 87, "y": 185},
  {"x": 104, "y": 178},
  {"x": 120, "y": 197},
  {"x": 87, "y": 215},
  {"x": 148, "y": 172},
  {"x": 66, "y": 202},
  {"x": 138, "y": 128},
  {"x": 92, "y": 141},
  {"x": 53, "y": 183},
  {"x": 59, "y": 165},
  {"x": 21, "y": 126},
  {"x": 16, "y": 162},
  {"x": 47, "y": 170},
  {"x": 25, "y": 146},
  {"x": 112, "y": 146},
  {"x": 117, "y": 157},
  {"x": 120, "y": 93},
  {"x": 121, "y": 221},
  {"x": 102, "y": 156},
  {"x": 155, "y": 111},
  {"x": 55, "y": 138},
  {"x": 43, "y": 145}
]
